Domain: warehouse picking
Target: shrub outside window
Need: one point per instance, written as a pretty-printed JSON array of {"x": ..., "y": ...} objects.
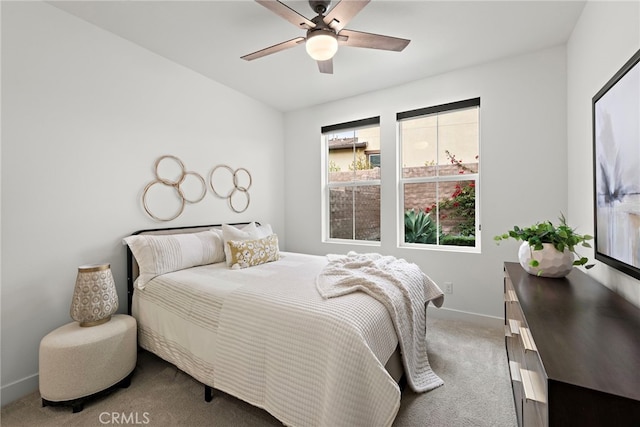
[
  {"x": 352, "y": 180},
  {"x": 439, "y": 175}
]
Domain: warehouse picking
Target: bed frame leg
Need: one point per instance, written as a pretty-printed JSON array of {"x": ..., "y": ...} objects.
[
  {"x": 208, "y": 393},
  {"x": 403, "y": 382}
]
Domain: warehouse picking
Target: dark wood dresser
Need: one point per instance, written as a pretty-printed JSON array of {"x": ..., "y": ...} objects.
[{"x": 574, "y": 351}]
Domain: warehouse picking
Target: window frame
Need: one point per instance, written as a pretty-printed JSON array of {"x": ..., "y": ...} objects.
[
  {"x": 402, "y": 181},
  {"x": 327, "y": 186}
]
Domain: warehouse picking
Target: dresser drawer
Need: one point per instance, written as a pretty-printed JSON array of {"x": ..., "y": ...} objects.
[{"x": 528, "y": 379}]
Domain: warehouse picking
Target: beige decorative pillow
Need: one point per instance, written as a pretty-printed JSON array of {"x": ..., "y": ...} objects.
[
  {"x": 160, "y": 254},
  {"x": 249, "y": 231},
  {"x": 248, "y": 253}
]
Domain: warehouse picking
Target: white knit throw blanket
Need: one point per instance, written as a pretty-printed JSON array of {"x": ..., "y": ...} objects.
[{"x": 404, "y": 290}]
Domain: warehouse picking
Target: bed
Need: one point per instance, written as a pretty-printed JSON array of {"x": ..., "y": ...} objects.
[{"x": 267, "y": 332}]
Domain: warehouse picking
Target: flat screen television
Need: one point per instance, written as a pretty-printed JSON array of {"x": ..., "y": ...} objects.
[{"x": 616, "y": 169}]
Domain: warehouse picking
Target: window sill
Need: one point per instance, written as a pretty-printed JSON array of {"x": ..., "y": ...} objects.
[
  {"x": 352, "y": 242},
  {"x": 441, "y": 248}
]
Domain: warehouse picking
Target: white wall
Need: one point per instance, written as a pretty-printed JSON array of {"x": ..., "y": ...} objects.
[
  {"x": 523, "y": 157},
  {"x": 604, "y": 39},
  {"x": 85, "y": 116}
]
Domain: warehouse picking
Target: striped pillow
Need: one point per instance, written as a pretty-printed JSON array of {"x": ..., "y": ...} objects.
[{"x": 158, "y": 255}]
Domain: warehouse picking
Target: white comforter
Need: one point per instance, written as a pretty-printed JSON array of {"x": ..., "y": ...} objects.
[{"x": 266, "y": 336}]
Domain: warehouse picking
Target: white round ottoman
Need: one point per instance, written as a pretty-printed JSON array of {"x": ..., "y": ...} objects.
[{"x": 77, "y": 363}]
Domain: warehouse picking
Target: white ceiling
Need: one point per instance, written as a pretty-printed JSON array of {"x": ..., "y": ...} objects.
[{"x": 209, "y": 37}]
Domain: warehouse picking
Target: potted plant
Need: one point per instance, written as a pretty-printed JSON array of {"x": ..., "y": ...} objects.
[{"x": 547, "y": 250}]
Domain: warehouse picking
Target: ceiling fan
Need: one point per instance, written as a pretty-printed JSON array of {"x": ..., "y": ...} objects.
[{"x": 326, "y": 32}]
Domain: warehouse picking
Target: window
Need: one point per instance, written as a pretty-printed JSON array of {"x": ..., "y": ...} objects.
[
  {"x": 374, "y": 158},
  {"x": 439, "y": 154},
  {"x": 352, "y": 180}
]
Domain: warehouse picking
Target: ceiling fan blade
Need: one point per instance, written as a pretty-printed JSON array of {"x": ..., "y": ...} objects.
[
  {"x": 287, "y": 13},
  {"x": 343, "y": 12},
  {"x": 371, "y": 41},
  {"x": 325, "y": 67},
  {"x": 273, "y": 49}
]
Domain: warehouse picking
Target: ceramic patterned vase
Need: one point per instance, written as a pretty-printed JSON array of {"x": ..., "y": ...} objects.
[{"x": 553, "y": 263}]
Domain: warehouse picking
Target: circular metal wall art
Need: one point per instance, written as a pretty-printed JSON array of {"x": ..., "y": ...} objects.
[
  {"x": 168, "y": 181},
  {"x": 148, "y": 210},
  {"x": 175, "y": 184},
  {"x": 235, "y": 187}
]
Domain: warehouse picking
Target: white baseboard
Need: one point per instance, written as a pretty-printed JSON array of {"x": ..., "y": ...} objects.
[
  {"x": 18, "y": 389},
  {"x": 465, "y": 316}
]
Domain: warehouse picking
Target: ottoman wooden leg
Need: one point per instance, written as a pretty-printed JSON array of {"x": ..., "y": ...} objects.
[{"x": 76, "y": 405}]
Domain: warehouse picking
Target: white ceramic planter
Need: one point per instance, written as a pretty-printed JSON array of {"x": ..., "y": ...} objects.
[{"x": 553, "y": 263}]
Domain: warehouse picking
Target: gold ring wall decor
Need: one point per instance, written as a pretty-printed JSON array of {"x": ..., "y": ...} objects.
[
  {"x": 233, "y": 189},
  {"x": 175, "y": 184}
]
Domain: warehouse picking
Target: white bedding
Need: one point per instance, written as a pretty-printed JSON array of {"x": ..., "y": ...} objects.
[{"x": 265, "y": 335}]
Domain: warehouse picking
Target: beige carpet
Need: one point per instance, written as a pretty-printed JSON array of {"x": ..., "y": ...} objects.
[{"x": 471, "y": 360}]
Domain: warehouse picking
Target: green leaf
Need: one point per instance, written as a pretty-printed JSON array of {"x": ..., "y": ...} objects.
[{"x": 562, "y": 237}]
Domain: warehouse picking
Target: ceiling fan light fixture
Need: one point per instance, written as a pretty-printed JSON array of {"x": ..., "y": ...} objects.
[{"x": 321, "y": 45}]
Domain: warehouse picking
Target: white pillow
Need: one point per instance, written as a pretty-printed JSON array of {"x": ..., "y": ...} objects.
[
  {"x": 248, "y": 232},
  {"x": 162, "y": 254}
]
